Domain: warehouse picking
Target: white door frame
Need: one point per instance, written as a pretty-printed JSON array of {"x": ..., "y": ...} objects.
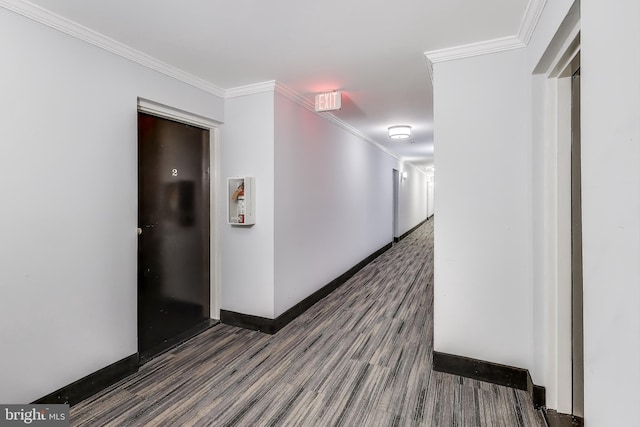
[
  {"x": 554, "y": 92},
  {"x": 161, "y": 110}
]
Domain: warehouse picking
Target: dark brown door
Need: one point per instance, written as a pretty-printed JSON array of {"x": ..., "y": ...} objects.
[{"x": 173, "y": 221}]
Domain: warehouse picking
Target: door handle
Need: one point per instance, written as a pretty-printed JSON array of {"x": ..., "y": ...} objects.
[{"x": 139, "y": 231}]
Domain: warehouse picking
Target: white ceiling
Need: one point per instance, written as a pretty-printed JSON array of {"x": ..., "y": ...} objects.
[{"x": 372, "y": 50}]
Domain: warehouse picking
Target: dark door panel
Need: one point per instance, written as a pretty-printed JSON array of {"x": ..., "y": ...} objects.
[{"x": 173, "y": 213}]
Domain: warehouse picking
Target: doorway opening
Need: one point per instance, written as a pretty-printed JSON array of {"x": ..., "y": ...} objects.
[
  {"x": 396, "y": 190},
  {"x": 430, "y": 198},
  {"x": 577, "y": 345},
  {"x": 175, "y": 292},
  {"x": 569, "y": 235},
  {"x": 557, "y": 156}
]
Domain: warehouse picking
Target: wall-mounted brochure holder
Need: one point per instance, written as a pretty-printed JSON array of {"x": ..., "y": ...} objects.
[{"x": 241, "y": 200}]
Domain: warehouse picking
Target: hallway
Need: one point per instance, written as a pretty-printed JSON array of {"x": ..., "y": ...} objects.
[{"x": 359, "y": 357}]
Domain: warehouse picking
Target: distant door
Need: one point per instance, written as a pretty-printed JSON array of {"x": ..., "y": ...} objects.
[
  {"x": 173, "y": 221},
  {"x": 430, "y": 197},
  {"x": 396, "y": 185}
]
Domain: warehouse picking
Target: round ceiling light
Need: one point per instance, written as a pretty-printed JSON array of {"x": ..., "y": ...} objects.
[{"x": 400, "y": 132}]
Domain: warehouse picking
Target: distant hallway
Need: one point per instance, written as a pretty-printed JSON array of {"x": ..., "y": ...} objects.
[{"x": 360, "y": 357}]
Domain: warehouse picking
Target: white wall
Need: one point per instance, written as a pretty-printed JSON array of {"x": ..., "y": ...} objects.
[
  {"x": 611, "y": 209},
  {"x": 324, "y": 202},
  {"x": 611, "y": 235},
  {"x": 610, "y": 42},
  {"x": 69, "y": 197},
  {"x": 546, "y": 335},
  {"x": 333, "y": 201},
  {"x": 483, "y": 258},
  {"x": 246, "y": 149}
]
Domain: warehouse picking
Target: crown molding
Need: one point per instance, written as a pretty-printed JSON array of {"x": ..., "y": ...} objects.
[
  {"x": 296, "y": 97},
  {"x": 252, "y": 89},
  {"x": 304, "y": 102},
  {"x": 57, "y": 22},
  {"x": 271, "y": 86},
  {"x": 474, "y": 49},
  {"x": 429, "y": 68},
  {"x": 527, "y": 26},
  {"x": 346, "y": 126},
  {"x": 530, "y": 20}
]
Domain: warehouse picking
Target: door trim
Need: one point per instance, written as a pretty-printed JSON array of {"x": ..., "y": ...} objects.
[
  {"x": 160, "y": 110},
  {"x": 175, "y": 114},
  {"x": 552, "y": 131}
]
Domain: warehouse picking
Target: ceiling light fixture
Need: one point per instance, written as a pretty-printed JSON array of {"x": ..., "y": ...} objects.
[{"x": 400, "y": 132}]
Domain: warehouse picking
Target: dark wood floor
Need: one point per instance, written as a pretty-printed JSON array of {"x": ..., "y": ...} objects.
[{"x": 360, "y": 357}]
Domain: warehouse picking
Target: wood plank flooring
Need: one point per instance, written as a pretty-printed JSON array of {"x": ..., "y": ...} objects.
[{"x": 359, "y": 357}]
